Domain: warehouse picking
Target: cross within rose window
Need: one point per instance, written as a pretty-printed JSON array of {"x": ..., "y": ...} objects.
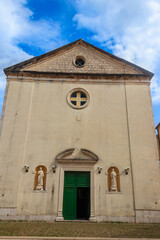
[{"x": 78, "y": 98}]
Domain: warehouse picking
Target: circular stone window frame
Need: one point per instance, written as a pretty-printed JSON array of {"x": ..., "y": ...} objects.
[
  {"x": 78, "y": 90},
  {"x": 79, "y": 57}
]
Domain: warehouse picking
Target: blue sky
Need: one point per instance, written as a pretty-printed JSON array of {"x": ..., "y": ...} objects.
[{"x": 129, "y": 29}]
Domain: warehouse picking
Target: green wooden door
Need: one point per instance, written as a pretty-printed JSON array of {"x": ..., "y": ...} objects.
[
  {"x": 73, "y": 181},
  {"x": 69, "y": 203}
]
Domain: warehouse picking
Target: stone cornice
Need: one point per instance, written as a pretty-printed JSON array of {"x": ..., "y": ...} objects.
[{"x": 77, "y": 77}]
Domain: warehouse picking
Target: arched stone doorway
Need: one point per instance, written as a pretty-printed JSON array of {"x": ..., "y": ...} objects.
[{"x": 76, "y": 161}]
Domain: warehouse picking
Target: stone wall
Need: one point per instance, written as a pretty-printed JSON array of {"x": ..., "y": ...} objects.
[
  {"x": 39, "y": 124},
  {"x": 94, "y": 63}
]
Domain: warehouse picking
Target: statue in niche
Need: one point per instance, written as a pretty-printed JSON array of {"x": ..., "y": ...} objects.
[
  {"x": 113, "y": 176},
  {"x": 40, "y": 180}
]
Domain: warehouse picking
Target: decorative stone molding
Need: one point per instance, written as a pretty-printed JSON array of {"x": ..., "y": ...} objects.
[
  {"x": 76, "y": 160},
  {"x": 76, "y": 155}
]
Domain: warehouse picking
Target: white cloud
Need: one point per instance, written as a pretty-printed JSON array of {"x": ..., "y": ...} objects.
[
  {"x": 17, "y": 26},
  {"x": 131, "y": 29}
]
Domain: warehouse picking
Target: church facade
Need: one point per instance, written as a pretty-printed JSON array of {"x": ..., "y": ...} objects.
[{"x": 78, "y": 139}]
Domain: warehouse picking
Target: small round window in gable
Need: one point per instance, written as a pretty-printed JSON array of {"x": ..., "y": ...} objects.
[{"x": 79, "y": 62}]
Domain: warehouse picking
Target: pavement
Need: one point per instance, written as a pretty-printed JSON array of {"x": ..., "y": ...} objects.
[{"x": 71, "y": 238}]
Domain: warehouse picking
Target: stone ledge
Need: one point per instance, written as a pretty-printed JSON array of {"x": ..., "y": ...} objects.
[
  {"x": 47, "y": 218},
  {"x": 142, "y": 216},
  {"x": 129, "y": 219},
  {"x": 147, "y": 216},
  {"x": 7, "y": 211}
]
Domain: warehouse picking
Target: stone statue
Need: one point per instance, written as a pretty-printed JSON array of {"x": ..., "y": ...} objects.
[
  {"x": 40, "y": 180},
  {"x": 113, "y": 176}
]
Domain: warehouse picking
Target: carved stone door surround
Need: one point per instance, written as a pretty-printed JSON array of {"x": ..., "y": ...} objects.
[{"x": 76, "y": 160}]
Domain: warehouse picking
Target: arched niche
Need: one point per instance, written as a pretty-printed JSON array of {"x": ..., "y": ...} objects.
[
  {"x": 37, "y": 169},
  {"x": 116, "y": 170}
]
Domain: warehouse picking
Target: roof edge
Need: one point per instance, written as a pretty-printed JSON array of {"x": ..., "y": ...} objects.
[
  {"x": 120, "y": 59},
  {"x": 37, "y": 58}
]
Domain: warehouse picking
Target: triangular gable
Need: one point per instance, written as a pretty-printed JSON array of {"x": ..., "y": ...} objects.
[
  {"x": 61, "y": 60},
  {"x": 77, "y": 155}
]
